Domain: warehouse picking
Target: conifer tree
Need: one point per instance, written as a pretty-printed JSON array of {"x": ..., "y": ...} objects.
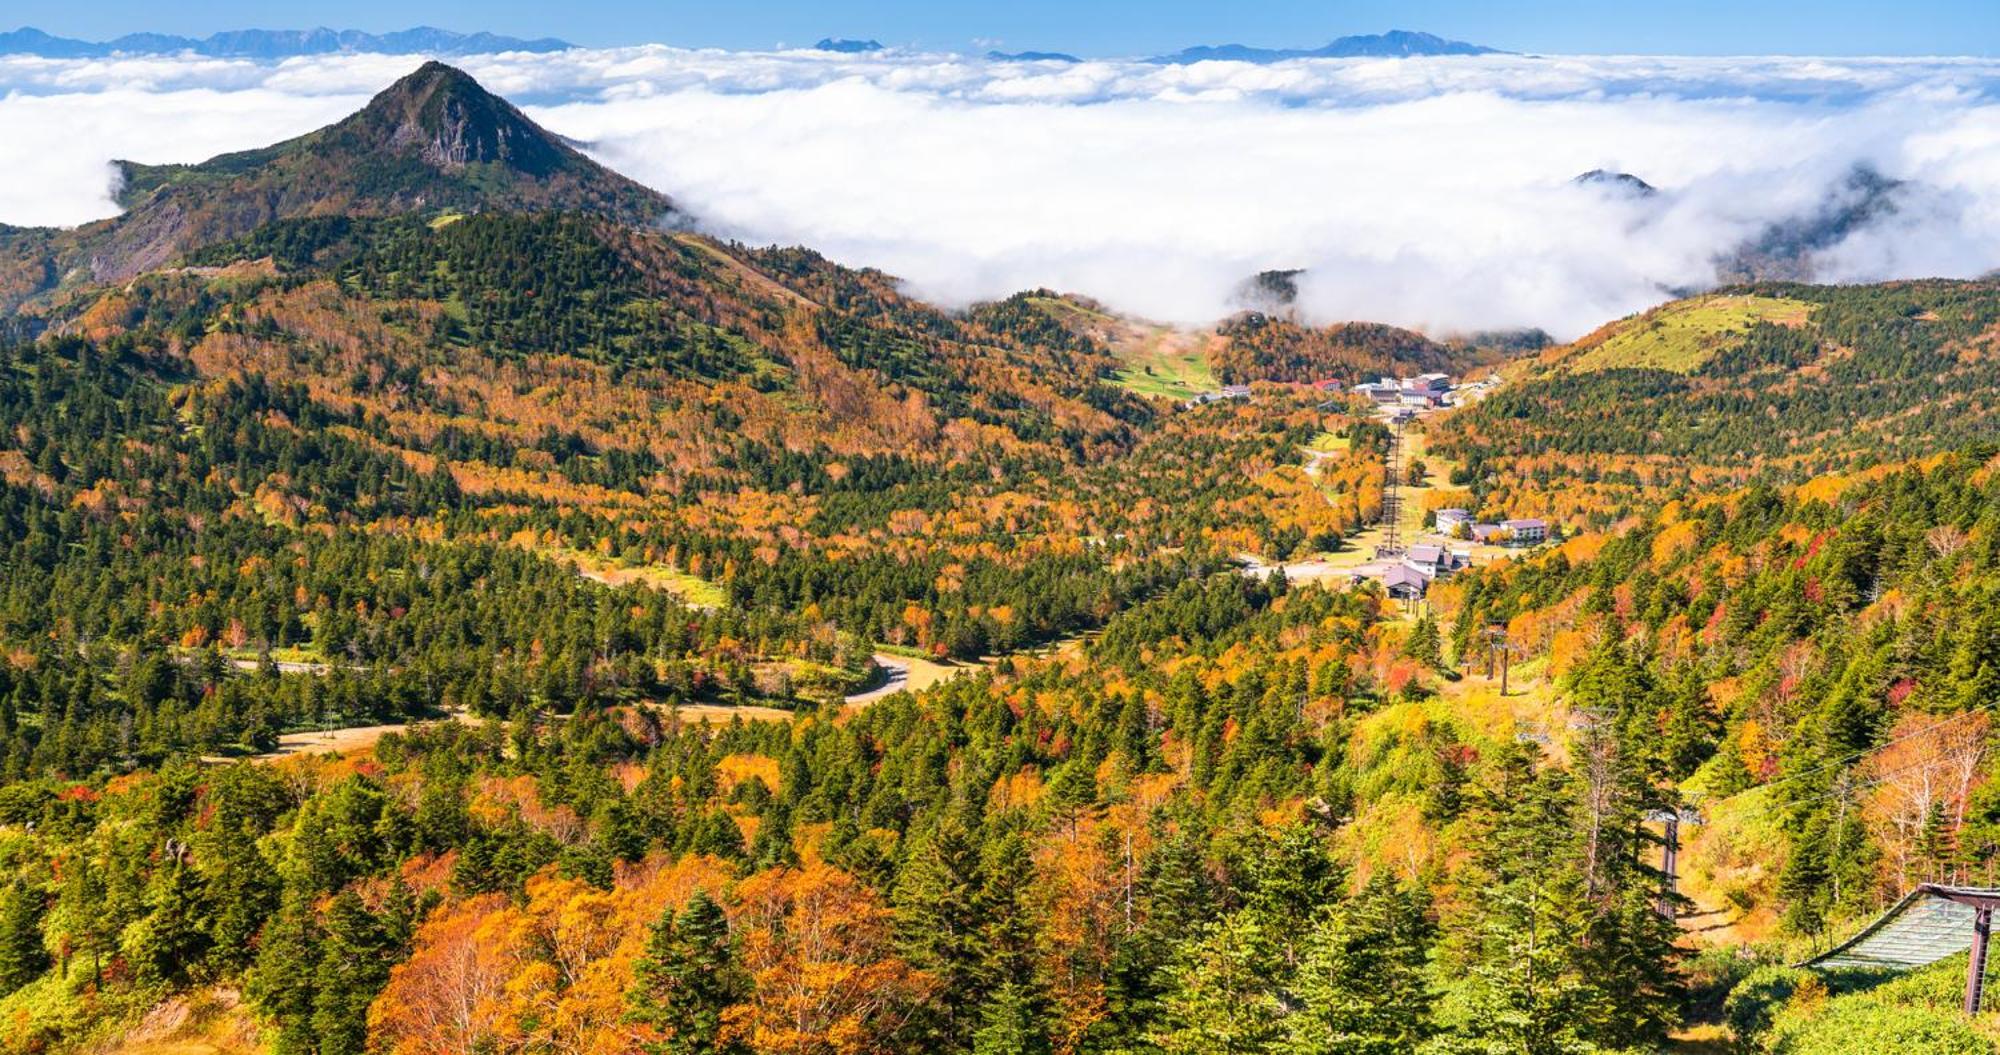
[
  {"x": 1424, "y": 645},
  {"x": 1175, "y": 896},
  {"x": 22, "y": 955},
  {"x": 1364, "y": 985},
  {"x": 1010, "y": 1023},
  {"x": 285, "y": 980},
  {"x": 354, "y": 963},
  {"x": 1220, "y": 999},
  {"x": 687, "y": 981},
  {"x": 173, "y": 937},
  {"x": 939, "y": 910},
  {"x": 245, "y": 892}
]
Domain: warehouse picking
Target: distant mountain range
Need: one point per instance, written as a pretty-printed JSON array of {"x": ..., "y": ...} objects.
[
  {"x": 428, "y": 40},
  {"x": 847, "y": 47},
  {"x": 274, "y": 43},
  {"x": 1031, "y": 56},
  {"x": 1397, "y": 43}
]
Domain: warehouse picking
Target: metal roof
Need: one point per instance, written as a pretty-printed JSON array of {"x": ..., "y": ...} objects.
[{"x": 1929, "y": 924}]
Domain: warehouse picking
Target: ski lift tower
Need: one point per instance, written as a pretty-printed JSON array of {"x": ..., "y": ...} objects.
[{"x": 1392, "y": 499}]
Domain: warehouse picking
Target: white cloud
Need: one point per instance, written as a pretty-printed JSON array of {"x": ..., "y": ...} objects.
[{"x": 1426, "y": 192}]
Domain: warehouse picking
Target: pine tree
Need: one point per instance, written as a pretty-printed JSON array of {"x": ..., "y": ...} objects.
[
  {"x": 1220, "y": 999},
  {"x": 1364, "y": 982},
  {"x": 1294, "y": 883},
  {"x": 354, "y": 964},
  {"x": 173, "y": 937},
  {"x": 1175, "y": 896},
  {"x": 1007, "y": 931},
  {"x": 245, "y": 892},
  {"x": 1071, "y": 795},
  {"x": 22, "y": 955},
  {"x": 685, "y": 984},
  {"x": 1424, "y": 645},
  {"x": 1010, "y": 1023},
  {"x": 284, "y": 982},
  {"x": 1567, "y": 950},
  {"x": 938, "y": 914}
]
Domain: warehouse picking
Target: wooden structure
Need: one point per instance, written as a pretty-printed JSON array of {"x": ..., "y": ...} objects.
[{"x": 1929, "y": 924}]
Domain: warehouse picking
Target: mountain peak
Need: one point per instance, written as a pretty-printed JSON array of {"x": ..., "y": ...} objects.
[
  {"x": 1619, "y": 182},
  {"x": 453, "y": 122},
  {"x": 433, "y": 141}
]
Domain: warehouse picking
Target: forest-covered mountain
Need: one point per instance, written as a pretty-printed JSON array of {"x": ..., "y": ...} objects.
[
  {"x": 433, "y": 141},
  {"x": 1775, "y": 382},
  {"x": 606, "y": 520}
]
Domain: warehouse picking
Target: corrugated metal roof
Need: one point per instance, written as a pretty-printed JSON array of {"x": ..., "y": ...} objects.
[{"x": 1923, "y": 928}]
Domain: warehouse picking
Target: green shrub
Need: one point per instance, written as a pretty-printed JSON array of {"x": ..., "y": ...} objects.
[
  {"x": 1758, "y": 998},
  {"x": 1866, "y": 1026},
  {"x": 1713, "y": 973}
]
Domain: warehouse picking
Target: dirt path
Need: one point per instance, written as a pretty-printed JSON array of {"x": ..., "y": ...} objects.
[
  {"x": 288, "y": 666},
  {"x": 330, "y": 741},
  {"x": 720, "y": 714},
  {"x": 900, "y": 673},
  {"x": 911, "y": 674}
]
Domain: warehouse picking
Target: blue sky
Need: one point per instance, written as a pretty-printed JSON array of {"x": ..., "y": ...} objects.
[{"x": 1111, "y": 27}]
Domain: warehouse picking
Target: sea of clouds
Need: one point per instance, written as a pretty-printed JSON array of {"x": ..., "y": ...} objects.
[{"x": 1433, "y": 193}]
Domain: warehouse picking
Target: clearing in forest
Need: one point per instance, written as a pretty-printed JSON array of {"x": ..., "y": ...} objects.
[
  {"x": 694, "y": 590},
  {"x": 1684, "y": 335}
]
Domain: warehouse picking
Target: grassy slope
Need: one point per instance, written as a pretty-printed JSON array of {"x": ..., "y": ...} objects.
[
  {"x": 1159, "y": 361},
  {"x": 1167, "y": 369},
  {"x": 1683, "y": 335},
  {"x": 692, "y": 589}
]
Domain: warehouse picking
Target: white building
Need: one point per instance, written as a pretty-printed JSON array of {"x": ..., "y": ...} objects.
[{"x": 1529, "y": 531}]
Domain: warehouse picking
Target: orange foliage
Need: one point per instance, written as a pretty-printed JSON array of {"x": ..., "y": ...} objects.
[
  {"x": 548, "y": 975},
  {"x": 818, "y": 945},
  {"x": 1079, "y": 888},
  {"x": 1673, "y": 541}
]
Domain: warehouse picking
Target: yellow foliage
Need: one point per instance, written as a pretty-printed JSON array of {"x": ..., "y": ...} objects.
[
  {"x": 1018, "y": 790},
  {"x": 1674, "y": 540},
  {"x": 733, "y": 770}
]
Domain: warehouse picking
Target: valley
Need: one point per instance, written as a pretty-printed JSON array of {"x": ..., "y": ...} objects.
[{"x": 449, "y": 604}]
